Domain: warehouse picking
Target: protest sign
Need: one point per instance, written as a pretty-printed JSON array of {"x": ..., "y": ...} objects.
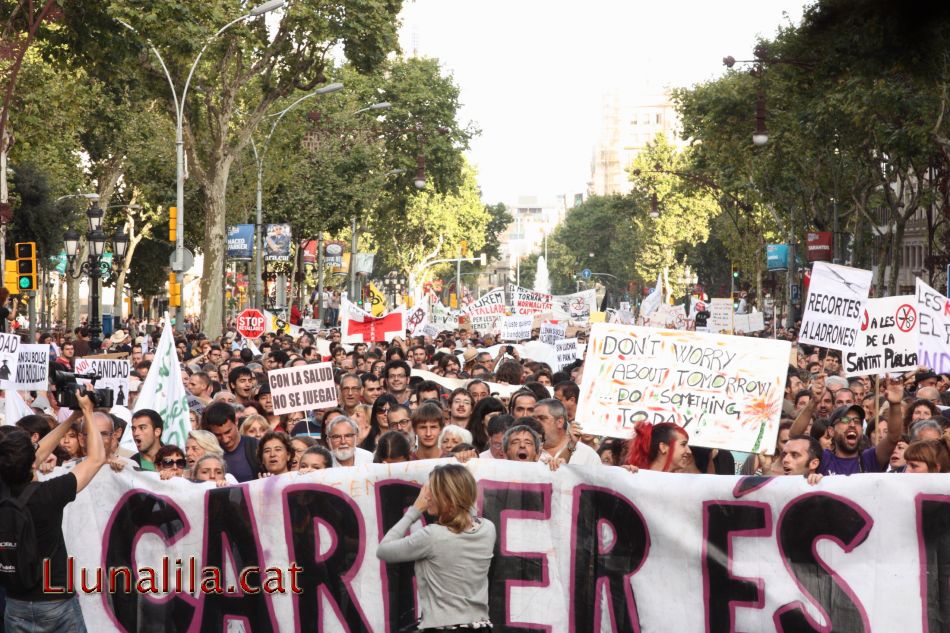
[
  {"x": 302, "y": 388},
  {"x": 887, "y": 341},
  {"x": 311, "y": 325},
  {"x": 416, "y": 318},
  {"x": 720, "y": 316},
  {"x": 443, "y": 318},
  {"x": 32, "y": 369},
  {"x": 566, "y": 350},
  {"x": 726, "y": 391},
  {"x": 575, "y": 307},
  {"x": 9, "y": 355},
  {"x": 668, "y": 317},
  {"x": 526, "y": 301},
  {"x": 515, "y": 328},
  {"x": 748, "y": 323},
  {"x": 359, "y": 326},
  {"x": 552, "y": 331},
  {"x": 836, "y": 299},
  {"x": 933, "y": 311},
  {"x": 575, "y": 548},
  {"x": 113, "y": 374},
  {"x": 485, "y": 313}
]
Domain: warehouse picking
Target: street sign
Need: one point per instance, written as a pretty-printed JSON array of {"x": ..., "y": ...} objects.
[
  {"x": 250, "y": 323},
  {"x": 189, "y": 259},
  {"x": 586, "y": 274}
]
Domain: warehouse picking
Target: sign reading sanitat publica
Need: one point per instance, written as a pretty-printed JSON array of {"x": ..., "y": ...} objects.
[{"x": 575, "y": 548}]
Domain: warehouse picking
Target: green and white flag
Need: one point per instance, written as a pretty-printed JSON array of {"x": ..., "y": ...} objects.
[{"x": 164, "y": 392}]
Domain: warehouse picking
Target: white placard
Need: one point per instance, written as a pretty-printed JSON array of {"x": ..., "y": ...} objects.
[
  {"x": 32, "y": 370},
  {"x": 302, "y": 388},
  {"x": 888, "y": 338},
  {"x": 516, "y": 327},
  {"x": 552, "y": 331},
  {"x": 749, "y": 323},
  {"x": 720, "y": 316},
  {"x": 836, "y": 299},
  {"x": 725, "y": 391},
  {"x": 566, "y": 350},
  {"x": 933, "y": 310},
  {"x": 9, "y": 355},
  {"x": 113, "y": 374},
  {"x": 485, "y": 313}
]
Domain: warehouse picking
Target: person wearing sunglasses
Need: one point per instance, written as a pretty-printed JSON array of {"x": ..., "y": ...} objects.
[{"x": 170, "y": 462}]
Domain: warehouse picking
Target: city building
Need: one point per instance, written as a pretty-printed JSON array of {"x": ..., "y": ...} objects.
[{"x": 628, "y": 124}]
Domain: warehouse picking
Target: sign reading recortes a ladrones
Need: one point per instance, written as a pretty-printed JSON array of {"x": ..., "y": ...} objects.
[{"x": 725, "y": 391}]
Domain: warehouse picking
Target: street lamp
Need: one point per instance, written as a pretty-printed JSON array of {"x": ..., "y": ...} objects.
[
  {"x": 94, "y": 268},
  {"x": 179, "y": 259},
  {"x": 259, "y": 159}
]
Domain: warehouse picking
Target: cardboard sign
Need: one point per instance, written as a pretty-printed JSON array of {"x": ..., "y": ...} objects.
[
  {"x": 32, "y": 369},
  {"x": 566, "y": 350},
  {"x": 302, "y": 388},
  {"x": 552, "y": 331},
  {"x": 836, "y": 299},
  {"x": 888, "y": 339},
  {"x": 485, "y": 313},
  {"x": 113, "y": 374},
  {"x": 725, "y": 391},
  {"x": 933, "y": 310},
  {"x": 516, "y": 327},
  {"x": 720, "y": 316}
]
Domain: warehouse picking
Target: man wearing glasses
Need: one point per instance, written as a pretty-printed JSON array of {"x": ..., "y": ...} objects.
[
  {"x": 341, "y": 438},
  {"x": 848, "y": 423},
  {"x": 396, "y": 375}
]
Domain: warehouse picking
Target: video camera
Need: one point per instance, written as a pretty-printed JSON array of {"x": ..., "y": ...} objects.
[{"x": 66, "y": 386}]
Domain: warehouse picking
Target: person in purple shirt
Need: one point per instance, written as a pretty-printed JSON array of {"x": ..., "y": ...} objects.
[{"x": 848, "y": 423}]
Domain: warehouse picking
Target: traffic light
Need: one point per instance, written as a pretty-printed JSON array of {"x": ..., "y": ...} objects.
[
  {"x": 172, "y": 224},
  {"x": 9, "y": 277},
  {"x": 735, "y": 287},
  {"x": 26, "y": 266},
  {"x": 174, "y": 291}
]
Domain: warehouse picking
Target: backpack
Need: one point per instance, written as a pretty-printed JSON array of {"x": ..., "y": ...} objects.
[{"x": 19, "y": 553}]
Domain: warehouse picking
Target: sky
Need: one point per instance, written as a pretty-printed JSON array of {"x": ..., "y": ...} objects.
[{"x": 533, "y": 73}]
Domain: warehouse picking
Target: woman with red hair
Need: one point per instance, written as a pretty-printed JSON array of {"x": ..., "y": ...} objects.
[{"x": 663, "y": 447}]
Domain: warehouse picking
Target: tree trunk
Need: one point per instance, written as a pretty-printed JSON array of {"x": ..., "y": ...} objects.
[
  {"x": 212, "y": 279},
  {"x": 895, "y": 256}
]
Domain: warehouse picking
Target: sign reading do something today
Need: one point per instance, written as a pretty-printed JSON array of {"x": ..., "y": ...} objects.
[{"x": 584, "y": 549}]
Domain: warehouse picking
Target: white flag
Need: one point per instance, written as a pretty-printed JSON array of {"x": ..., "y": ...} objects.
[
  {"x": 14, "y": 407},
  {"x": 652, "y": 300},
  {"x": 164, "y": 392}
]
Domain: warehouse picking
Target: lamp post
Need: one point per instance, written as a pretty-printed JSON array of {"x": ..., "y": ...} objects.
[
  {"x": 93, "y": 267},
  {"x": 259, "y": 159},
  {"x": 179, "y": 259}
]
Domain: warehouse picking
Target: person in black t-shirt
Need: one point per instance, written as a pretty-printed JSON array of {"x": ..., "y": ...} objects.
[
  {"x": 43, "y": 607},
  {"x": 6, "y": 313}
]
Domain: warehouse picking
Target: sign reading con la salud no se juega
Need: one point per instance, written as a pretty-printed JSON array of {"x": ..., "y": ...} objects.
[
  {"x": 574, "y": 548},
  {"x": 726, "y": 391},
  {"x": 303, "y": 388}
]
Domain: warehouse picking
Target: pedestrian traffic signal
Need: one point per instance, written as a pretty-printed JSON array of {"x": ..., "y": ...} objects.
[
  {"x": 26, "y": 266},
  {"x": 735, "y": 272},
  {"x": 172, "y": 224},
  {"x": 9, "y": 277}
]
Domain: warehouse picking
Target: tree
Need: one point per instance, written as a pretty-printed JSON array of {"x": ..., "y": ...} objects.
[{"x": 244, "y": 73}]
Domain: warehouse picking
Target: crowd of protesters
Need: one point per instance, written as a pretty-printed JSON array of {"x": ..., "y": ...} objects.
[{"x": 387, "y": 413}]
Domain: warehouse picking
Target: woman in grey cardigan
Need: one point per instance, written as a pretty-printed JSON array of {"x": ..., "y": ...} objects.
[{"x": 451, "y": 556}]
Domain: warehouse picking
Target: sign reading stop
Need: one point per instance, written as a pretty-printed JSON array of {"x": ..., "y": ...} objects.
[{"x": 250, "y": 323}]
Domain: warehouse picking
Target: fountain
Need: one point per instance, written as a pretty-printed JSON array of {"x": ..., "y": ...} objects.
[{"x": 542, "y": 282}]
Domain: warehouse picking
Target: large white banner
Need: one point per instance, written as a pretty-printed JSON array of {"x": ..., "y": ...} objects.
[
  {"x": 726, "y": 391},
  {"x": 836, "y": 299},
  {"x": 584, "y": 549},
  {"x": 887, "y": 341},
  {"x": 933, "y": 310}
]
